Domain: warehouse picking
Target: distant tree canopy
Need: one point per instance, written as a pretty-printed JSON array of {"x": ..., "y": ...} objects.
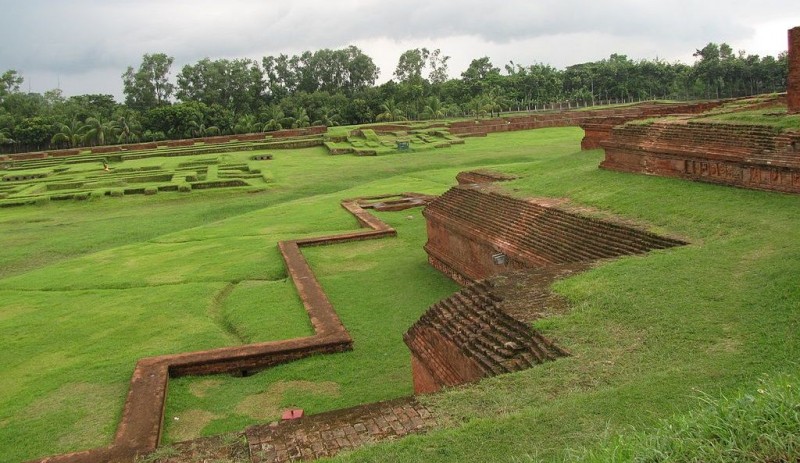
[{"x": 331, "y": 87}]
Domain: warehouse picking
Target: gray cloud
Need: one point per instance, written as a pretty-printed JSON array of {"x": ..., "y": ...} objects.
[{"x": 89, "y": 43}]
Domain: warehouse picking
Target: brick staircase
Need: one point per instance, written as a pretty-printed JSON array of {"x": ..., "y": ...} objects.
[
  {"x": 536, "y": 234},
  {"x": 473, "y": 323},
  {"x": 481, "y": 237}
]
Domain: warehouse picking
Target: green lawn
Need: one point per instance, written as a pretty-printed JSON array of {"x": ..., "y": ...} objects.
[{"x": 87, "y": 287}]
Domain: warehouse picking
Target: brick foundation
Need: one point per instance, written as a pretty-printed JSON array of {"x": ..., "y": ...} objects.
[
  {"x": 478, "y": 232},
  {"x": 506, "y": 251},
  {"x": 757, "y": 157}
]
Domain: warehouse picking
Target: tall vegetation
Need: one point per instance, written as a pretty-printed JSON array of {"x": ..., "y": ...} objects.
[{"x": 331, "y": 87}]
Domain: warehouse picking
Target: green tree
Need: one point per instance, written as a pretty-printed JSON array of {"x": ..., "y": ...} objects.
[
  {"x": 301, "y": 119},
  {"x": 234, "y": 84},
  {"x": 9, "y": 83},
  {"x": 438, "y": 67},
  {"x": 35, "y": 132},
  {"x": 148, "y": 87},
  {"x": 247, "y": 124},
  {"x": 433, "y": 108},
  {"x": 390, "y": 112},
  {"x": 70, "y": 134},
  {"x": 96, "y": 131},
  {"x": 410, "y": 65}
]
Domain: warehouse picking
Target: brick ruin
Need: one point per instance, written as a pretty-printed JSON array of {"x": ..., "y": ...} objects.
[
  {"x": 596, "y": 123},
  {"x": 469, "y": 336},
  {"x": 475, "y": 232},
  {"x": 506, "y": 251},
  {"x": 750, "y": 156},
  {"x": 793, "y": 81},
  {"x": 141, "y": 424}
]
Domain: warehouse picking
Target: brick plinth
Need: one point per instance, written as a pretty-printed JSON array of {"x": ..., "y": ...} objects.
[
  {"x": 793, "y": 82},
  {"x": 749, "y": 156}
]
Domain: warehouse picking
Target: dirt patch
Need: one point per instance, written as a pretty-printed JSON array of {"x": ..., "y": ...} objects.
[
  {"x": 201, "y": 388},
  {"x": 189, "y": 424},
  {"x": 268, "y": 404},
  {"x": 526, "y": 294},
  {"x": 223, "y": 448}
]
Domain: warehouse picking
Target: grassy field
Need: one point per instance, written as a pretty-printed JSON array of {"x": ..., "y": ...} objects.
[{"x": 87, "y": 287}]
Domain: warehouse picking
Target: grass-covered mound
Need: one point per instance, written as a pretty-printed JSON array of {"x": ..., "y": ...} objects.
[{"x": 117, "y": 280}]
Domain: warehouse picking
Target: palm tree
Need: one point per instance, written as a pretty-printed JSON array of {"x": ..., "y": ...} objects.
[
  {"x": 493, "y": 102},
  {"x": 391, "y": 112},
  {"x": 247, "y": 124},
  {"x": 96, "y": 131},
  {"x": 274, "y": 116},
  {"x": 477, "y": 106},
  {"x": 433, "y": 109},
  {"x": 301, "y": 119},
  {"x": 328, "y": 117},
  {"x": 201, "y": 130},
  {"x": 125, "y": 131},
  {"x": 70, "y": 134}
]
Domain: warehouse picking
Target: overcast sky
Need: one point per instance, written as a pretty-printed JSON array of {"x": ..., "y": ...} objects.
[{"x": 84, "y": 46}]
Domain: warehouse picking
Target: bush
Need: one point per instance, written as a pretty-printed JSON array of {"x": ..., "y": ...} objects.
[
  {"x": 150, "y": 190},
  {"x": 83, "y": 195},
  {"x": 116, "y": 193},
  {"x": 184, "y": 188}
]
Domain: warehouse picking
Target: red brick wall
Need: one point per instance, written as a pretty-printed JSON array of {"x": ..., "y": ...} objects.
[
  {"x": 793, "y": 82},
  {"x": 424, "y": 382},
  {"x": 444, "y": 365},
  {"x": 469, "y": 256},
  {"x": 746, "y": 156}
]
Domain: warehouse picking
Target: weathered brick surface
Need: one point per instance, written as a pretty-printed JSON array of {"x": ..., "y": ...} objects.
[
  {"x": 326, "y": 434},
  {"x": 468, "y": 225},
  {"x": 468, "y": 336},
  {"x": 596, "y": 123},
  {"x": 793, "y": 81},
  {"x": 478, "y": 235},
  {"x": 482, "y": 176},
  {"x": 750, "y": 156}
]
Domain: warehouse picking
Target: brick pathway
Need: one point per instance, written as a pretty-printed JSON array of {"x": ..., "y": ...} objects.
[{"x": 326, "y": 434}]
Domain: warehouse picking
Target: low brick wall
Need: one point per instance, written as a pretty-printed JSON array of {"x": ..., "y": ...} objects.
[
  {"x": 749, "y": 156},
  {"x": 469, "y": 336}
]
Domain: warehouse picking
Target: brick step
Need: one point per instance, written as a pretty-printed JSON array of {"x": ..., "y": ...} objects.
[
  {"x": 469, "y": 334},
  {"x": 573, "y": 221},
  {"x": 579, "y": 229},
  {"x": 493, "y": 318}
]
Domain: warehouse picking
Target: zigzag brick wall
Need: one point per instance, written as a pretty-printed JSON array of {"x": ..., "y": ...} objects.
[
  {"x": 793, "y": 82},
  {"x": 754, "y": 156},
  {"x": 139, "y": 431}
]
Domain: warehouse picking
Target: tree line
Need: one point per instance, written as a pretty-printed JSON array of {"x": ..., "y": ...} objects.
[{"x": 332, "y": 87}]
